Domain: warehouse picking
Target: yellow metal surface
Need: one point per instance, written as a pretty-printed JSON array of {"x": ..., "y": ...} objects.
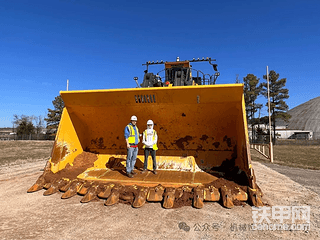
[
  {"x": 67, "y": 145},
  {"x": 199, "y": 128},
  {"x": 164, "y": 177}
]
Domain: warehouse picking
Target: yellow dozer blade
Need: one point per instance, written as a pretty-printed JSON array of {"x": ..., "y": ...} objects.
[{"x": 203, "y": 146}]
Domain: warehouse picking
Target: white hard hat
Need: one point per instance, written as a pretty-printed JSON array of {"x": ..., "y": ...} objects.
[
  {"x": 134, "y": 118},
  {"x": 150, "y": 122}
]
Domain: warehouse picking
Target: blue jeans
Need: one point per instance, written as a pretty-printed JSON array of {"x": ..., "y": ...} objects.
[{"x": 131, "y": 158}]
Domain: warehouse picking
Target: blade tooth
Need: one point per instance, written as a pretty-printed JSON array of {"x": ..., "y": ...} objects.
[
  {"x": 159, "y": 188},
  {"x": 140, "y": 200},
  {"x": 211, "y": 194},
  {"x": 47, "y": 185},
  {"x": 187, "y": 188},
  {"x": 169, "y": 197},
  {"x": 91, "y": 194},
  {"x": 72, "y": 191},
  {"x": 114, "y": 197},
  {"x": 106, "y": 192},
  {"x": 178, "y": 192},
  {"x": 84, "y": 188},
  {"x": 35, "y": 187},
  {"x": 198, "y": 197},
  {"x": 255, "y": 197},
  {"x": 152, "y": 197},
  {"x": 155, "y": 194},
  {"x": 226, "y": 196},
  {"x": 79, "y": 185},
  {"x": 66, "y": 186},
  {"x": 38, "y": 185},
  {"x": 259, "y": 190},
  {"x": 50, "y": 191},
  {"x": 54, "y": 188},
  {"x": 241, "y": 195},
  {"x": 128, "y": 194}
]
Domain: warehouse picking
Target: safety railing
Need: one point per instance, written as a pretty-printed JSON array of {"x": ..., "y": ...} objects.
[{"x": 266, "y": 150}]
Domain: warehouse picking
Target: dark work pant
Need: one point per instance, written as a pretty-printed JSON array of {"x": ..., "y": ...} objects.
[{"x": 153, "y": 155}]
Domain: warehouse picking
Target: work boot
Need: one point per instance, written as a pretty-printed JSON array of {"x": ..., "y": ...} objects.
[
  {"x": 144, "y": 170},
  {"x": 130, "y": 175},
  {"x": 133, "y": 173},
  {"x": 155, "y": 172}
]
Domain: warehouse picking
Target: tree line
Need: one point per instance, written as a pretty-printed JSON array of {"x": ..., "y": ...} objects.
[
  {"x": 277, "y": 93},
  {"x": 26, "y": 125}
]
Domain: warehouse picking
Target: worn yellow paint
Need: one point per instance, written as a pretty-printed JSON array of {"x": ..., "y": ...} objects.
[
  {"x": 199, "y": 127},
  {"x": 68, "y": 137}
]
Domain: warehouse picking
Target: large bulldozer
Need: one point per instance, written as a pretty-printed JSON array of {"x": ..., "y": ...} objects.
[{"x": 203, "y": 142}]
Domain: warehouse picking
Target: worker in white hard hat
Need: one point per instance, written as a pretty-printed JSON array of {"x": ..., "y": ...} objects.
[
  {"x": 131, "y": 134},
  {"x": 149, "y": 140}
]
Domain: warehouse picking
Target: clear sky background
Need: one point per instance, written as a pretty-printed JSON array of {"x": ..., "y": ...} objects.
[{"x": 103, "y": 44}]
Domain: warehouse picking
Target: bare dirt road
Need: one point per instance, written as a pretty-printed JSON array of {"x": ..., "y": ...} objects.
[{"x": 34, "y": 216}]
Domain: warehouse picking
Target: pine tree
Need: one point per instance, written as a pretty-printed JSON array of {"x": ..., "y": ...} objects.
[
  {"x": 278, "y": 93},
  {"x": 251, "y": 92},
  {"x": 54, "y": 115}
]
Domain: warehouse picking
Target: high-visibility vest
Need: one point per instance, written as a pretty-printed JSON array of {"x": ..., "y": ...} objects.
[
  {"x": 154, "y": 147},
  {"x": 132, "y": 136}
]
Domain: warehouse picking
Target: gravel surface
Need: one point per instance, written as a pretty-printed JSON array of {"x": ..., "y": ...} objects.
[
  {"x": 34, "y": 216},
  {"x": 306, "y": 177}
]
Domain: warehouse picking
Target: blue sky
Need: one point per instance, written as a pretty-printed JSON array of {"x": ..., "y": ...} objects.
[{"x": 102, "y": 45}]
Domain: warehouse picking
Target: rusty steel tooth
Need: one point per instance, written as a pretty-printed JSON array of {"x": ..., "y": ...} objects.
[
  {"x": 226, "y": 196},
  {"x": 179, "y": 192},
  {"x": 63, "y": 183},
  {"x": 155, "y": 194},
  {"x": 198, "y": 197},
  {"x": 72, "y": 190},
  {"x": 130, "y": 198},
  {"x": 114, "y": 197},
  {"x": 35, "y": 187},
  {"x": 91, "y": 194},
  {"x": 241, "y": 195},
  {"x": 66, "y": 186},
  {"x": 211, "y": 194},
  {"x": 255, "y": 197},
  {"x": 47, "y": 185},
  {"x": 105, "y": 193},
  {"x": 259, "y": 190},
  {"x": 54, "y": 188},
  {"x": 84, "y": 188},
  {"x": 38, "y": 185},
  {"x": 187, "y": 188},
  {"x": 169, "y": 197},
  {"x": 140, "y": 199}
]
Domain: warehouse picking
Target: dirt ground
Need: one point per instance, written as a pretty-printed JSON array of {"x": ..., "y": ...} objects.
[{"x": 34, "y": 216}]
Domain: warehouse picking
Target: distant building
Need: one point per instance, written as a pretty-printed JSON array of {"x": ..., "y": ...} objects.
[
  {"x": 7, "y": 134},
  {"x": 303, "y": 124},
  {"x": 294, "y": 134}
]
